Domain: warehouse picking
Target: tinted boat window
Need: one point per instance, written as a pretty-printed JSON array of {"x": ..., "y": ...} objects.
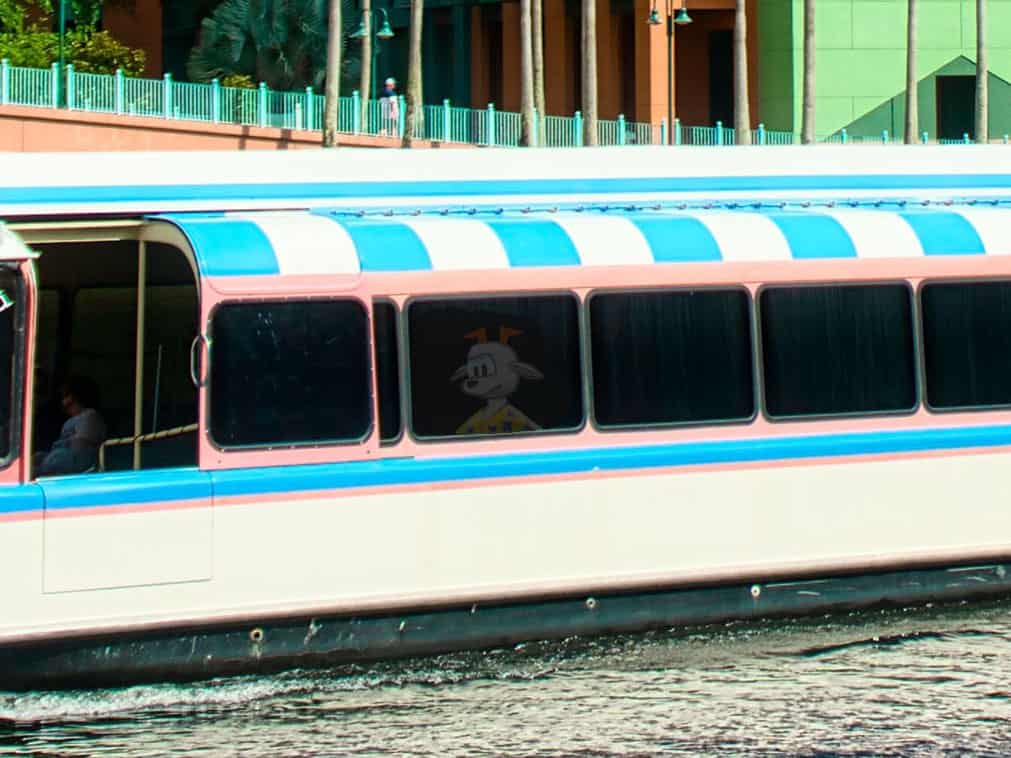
[
  {"x": 289, "y": 373},
  {"x": 831, "y": 350},
  {"x": 671, "y": 357},
  {"x": 497, "y": 365},
  {"x": 9, "y": 293},
  {"x": 384, "y": 318},
  {"x": 967, "y": 343}
]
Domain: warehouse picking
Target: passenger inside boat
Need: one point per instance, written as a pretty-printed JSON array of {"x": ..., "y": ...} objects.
[{"x": 90, "y": 283}]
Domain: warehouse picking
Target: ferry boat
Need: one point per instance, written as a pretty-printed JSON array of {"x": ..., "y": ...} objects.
[{"x": 365, "y": 404}]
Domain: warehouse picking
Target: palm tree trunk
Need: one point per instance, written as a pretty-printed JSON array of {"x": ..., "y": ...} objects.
[
  {"x": 589, "y": 72},
  {"x": 527, "y": 133},
  {"x": 912, "y": 99},
  {"x": 331, "y": 107},
  {"x": 742, "y": 112},
  {"x": 537, "y": 18},
  {"x": 365, "y": 83},
  {"x": 807, "y": 118},
  {"x": 982, "y": 76},
  {"x": 413, "y": 124}
]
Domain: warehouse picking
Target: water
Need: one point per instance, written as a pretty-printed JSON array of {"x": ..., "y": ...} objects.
[{"x": 930, "y": 681}]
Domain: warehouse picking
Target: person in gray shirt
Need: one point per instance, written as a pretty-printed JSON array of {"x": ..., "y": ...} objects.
[{"x": 76, "y": 450}]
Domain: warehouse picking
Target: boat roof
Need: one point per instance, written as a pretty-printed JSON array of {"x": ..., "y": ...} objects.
[
  {"x": 80, "y": 184},
  {"x": 338, "y": 242}
]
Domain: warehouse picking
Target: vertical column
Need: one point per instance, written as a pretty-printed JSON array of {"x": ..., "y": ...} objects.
[
  {"x": 479, "y": 88},
  {"x": 138, "y": 385},
  {"x": 650, "y": 66},
  {"x": 461, "y": 54},
  {"x": 510, "y": 57},
  {"x": 559, "y": 75}
]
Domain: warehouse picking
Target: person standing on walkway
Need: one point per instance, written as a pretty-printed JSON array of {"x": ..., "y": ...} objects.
[{"x": 390, "y": 108}]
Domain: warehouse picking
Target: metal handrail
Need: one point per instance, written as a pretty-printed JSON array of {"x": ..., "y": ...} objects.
[{"x": 142, "y": 438}]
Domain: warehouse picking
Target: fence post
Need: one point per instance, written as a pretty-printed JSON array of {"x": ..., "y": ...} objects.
[
  {"x": 261, "y": 104},
  {"x": 621, "y": 129},
  {"x": 5, "y": 81},
  {"x": 309, "y": 110},
  {"x": 577, "y": 125},
  {"x": 678, "y": 139},
  {"x": 491, "y": 125},
  {"x": 845, "y": 137},
  {"x": 54, "y": 80},
  {"x": 120, "y": 91},
  {"x": 215, "y": 101},
  {"x": 924, "y": 138},
  {"x": 1005, "y": 139},
  {"x": 356, "y": 112},
  {"x": 402, "y": 117},
  {"x": 445, "y": 119},
  {"x": 761, "y": 134},
  {"x": 884, "y": 136},
  {"x": 663, "y": 131},
  {"x": 70, "y": 86},
  {"x": 167, "y": 96},
  {"x": 965, "y": 138}
]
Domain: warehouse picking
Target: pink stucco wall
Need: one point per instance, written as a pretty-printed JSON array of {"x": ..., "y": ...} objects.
[{"x": 24, "y": 129}]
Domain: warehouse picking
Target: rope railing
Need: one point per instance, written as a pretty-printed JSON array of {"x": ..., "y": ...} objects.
[{"x": 140, "y": 439}]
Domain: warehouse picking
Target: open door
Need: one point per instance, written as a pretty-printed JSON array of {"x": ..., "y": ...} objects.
[{"x": 117, "y": 314}]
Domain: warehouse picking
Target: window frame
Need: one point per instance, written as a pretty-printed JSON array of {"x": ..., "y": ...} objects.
[
  {"x": 916, "y": 356},
  {"x": 18, "y": 368},
  {"x": 753, "y": 339},
  {"x": 398, "y": 328},
  {"x": 318, "y": 445},
  {"x": 922, "y": 366},
  {"x": 407, "y": 396}
]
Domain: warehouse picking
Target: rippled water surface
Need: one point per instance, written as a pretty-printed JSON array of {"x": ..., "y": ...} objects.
[{"x": 926, "y": 681}]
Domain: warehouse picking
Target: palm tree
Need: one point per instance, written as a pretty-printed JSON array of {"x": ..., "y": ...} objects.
[
  {"x": 982, "y": 75},
  {"x": 414, "y": 122},
  {"x": 742, "y": 115},
  {"x": 589, "y": 72},
  {"x": 527, "y": 126},
  {"x": 537, "y": 17},
  {"x": 807, "y": 118},
  {"x": 365, "y": 80},
  {"x": 912, "y": 101},
  {"x": 334, "y": 44}
]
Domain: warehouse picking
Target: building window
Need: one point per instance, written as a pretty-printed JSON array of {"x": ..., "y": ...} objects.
[
  {"x": 837, "y": 350},
  {"x": 384, "y": 318},
  {"x": 967, "y": 343},
  {"x": 491, "y": 366},
  {"x": 289, "y": 373},
  {"x": 671, "y": 357}
]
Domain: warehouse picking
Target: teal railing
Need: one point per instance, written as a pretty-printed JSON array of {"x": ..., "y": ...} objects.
[{"x": 213, "y": 103}]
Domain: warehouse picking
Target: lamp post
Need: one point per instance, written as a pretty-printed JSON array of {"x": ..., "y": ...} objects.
[
  {"x": 367, "y": 28},
  {"x": 681, "y": 18}
]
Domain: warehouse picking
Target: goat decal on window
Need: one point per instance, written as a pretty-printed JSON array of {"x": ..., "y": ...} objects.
[{"x": 492, "y": 373}]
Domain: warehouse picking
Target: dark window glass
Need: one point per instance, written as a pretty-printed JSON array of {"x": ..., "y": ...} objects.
[
  {"x": 829, "y": 350},
  {"x": 384, "y": 317},
  {"x": 671, "y": 357},
  {"x": 495, "y": 365},
  {"x": 9, "y": 308},
  {"x": 967, "y": 343},
  {"x": 289, "y": 373}
]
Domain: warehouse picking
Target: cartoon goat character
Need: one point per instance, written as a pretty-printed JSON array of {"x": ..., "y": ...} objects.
[{"x": 493, "y": 372}]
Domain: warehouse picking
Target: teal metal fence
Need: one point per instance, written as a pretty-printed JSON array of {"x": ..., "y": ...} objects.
[{"x": 213, "y": 103}]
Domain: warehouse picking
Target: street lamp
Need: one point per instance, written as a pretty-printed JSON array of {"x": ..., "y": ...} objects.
[
  {"x": 681, "y": 18},
  {"x": 385, "y": 31}
]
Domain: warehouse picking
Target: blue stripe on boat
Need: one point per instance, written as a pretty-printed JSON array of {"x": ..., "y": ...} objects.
[
  {"x": 497, "y": 187},
  {"x": 535, "y": 242},
  {"x": 814, "y": 236},
  {"x": 387, "y": 246},
  {"x": 677, "y": 239},
  {"x": 229, "y": 247},
  {"x": 145, "y": 487},
  {"x": 943, "y": 233}
]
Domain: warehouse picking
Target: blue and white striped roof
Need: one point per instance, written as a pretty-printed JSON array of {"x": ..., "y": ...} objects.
[{"x": 287, "y": 243}]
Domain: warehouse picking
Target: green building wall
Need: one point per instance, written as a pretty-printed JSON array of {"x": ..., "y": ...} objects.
[{"x": 861, "y": 62}]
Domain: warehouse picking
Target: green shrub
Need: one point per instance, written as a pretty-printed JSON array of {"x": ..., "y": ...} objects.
[{"x": 90, "y": 52}]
